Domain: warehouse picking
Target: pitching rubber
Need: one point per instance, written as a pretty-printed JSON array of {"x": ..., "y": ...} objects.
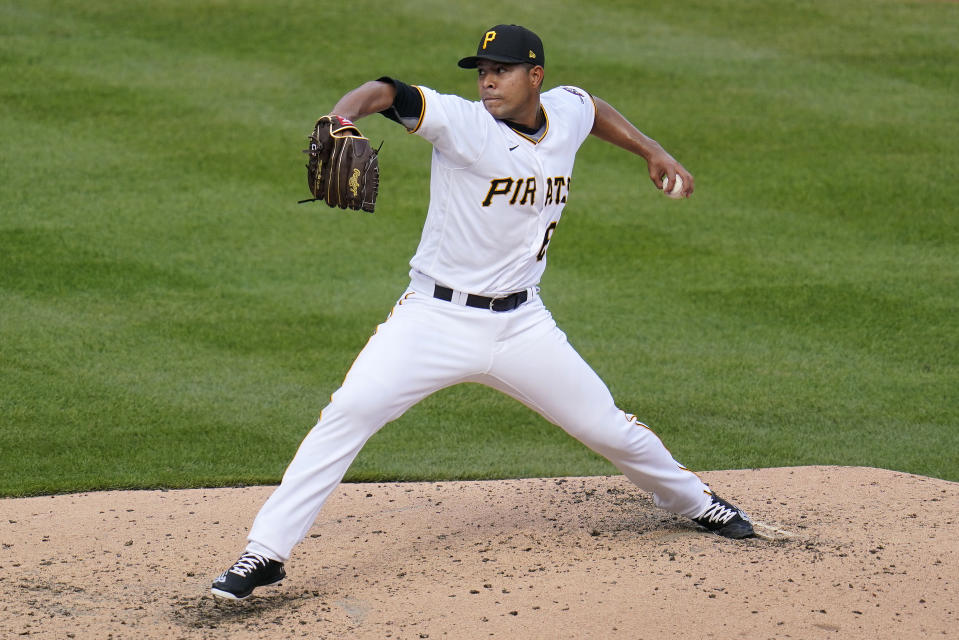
[{"x": 769, "y": 532}]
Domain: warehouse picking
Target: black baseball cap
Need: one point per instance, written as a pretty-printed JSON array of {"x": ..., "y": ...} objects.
[{"x": 507, "y": 43}]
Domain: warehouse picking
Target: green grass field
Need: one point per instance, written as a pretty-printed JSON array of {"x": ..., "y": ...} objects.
[{"x": 170, "y": 317}]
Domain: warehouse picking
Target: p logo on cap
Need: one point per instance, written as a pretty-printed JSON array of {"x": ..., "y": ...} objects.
[{"x": 508, "y": 43}]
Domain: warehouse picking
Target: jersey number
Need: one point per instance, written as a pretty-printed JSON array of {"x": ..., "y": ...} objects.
[{"x": 546, "y": 238}]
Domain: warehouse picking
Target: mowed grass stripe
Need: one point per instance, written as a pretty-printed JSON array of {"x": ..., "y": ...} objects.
[{"x": 169, "y": 316}]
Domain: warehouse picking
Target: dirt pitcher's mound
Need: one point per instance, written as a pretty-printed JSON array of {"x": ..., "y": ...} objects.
[{"x": 849, "y": 553}]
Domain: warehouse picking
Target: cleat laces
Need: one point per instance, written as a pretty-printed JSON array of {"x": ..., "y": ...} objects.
[
  {"x": 247, "y": 563},
  {"x": 717, "y": 512}
]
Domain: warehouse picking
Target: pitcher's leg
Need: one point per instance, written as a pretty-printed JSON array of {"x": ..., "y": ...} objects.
[
  {"x": 550, "y": 377},
  {"x": 406, "y": 360},
  {"x": 319, "y": 465}
]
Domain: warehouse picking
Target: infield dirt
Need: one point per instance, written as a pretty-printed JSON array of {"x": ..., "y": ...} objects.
[{"x": 850, "y": 553}]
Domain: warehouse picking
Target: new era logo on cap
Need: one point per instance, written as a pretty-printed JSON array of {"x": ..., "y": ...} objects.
[{"x": 507, "y": 43}]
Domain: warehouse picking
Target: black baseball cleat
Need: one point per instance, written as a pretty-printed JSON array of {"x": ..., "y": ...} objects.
[
  {"x": 249, "y": 572},
  {"x": 725, "y": 519}
]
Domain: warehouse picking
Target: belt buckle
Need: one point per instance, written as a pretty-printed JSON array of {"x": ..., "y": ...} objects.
[{"x": 492, "y": 301}]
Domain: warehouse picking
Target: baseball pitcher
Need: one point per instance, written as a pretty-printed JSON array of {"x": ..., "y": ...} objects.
[{"x": 501, "y": 175}]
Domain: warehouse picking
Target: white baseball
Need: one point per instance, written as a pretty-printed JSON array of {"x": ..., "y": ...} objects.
[{"x": 677, "y": 190}]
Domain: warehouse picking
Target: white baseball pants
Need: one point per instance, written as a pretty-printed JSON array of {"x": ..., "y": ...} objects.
[{"x": 428, "y": 344}]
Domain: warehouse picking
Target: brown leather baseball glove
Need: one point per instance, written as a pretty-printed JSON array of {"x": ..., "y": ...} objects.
[{"x": 343, "y": 169}]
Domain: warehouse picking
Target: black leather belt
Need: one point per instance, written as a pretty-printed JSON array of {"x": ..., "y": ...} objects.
[{"x": 506, "y": 303}]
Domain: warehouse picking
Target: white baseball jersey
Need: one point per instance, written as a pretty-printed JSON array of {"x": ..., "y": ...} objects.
[{"x": 496, "y": 193}]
